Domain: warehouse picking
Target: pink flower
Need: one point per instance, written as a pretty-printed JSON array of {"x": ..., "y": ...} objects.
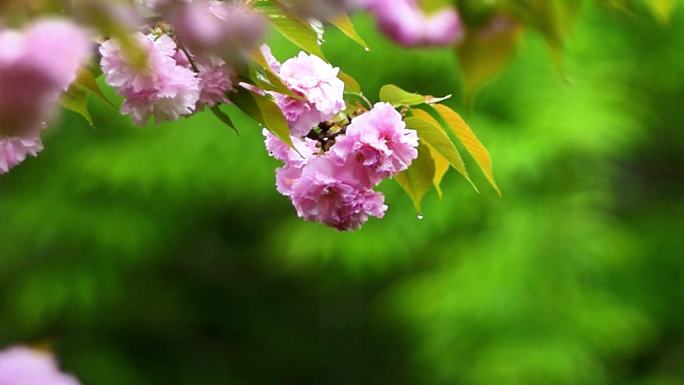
[
  {"x": 270, "y": 59},
  {"x": 163, "y": 88},
  {"x": 36, "y": 65},
  {"x": 216, "y": 77},
  {"x": 215, "y": 81},
  {"x": 316, "y": 81},
  {"x": 14, "y": 151},
  {"x": 443, "y": 28},
  {"x": 377, "y": 145},
  {"x": 23, "y": 366},
  {"x": 404, "y": 22},
  {"x": 303, "y": 149},
  {"x": 294, "y": 158},
  {"x": 324, "y": 194}
]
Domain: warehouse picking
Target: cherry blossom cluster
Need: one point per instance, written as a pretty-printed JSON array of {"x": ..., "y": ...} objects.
[
  {"x": 186, "y": 59},
  {"x": 157, "y": 76},
  {"x": 189, "y": 59},
  {"x": 336, "y": 160},
  {"x": 23, "y": 366},
  {"x": 169, "y": 59}
]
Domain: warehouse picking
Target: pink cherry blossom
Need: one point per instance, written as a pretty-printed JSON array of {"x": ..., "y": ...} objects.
[
  {"x": 377, "y": 145},
  {"x": 23, "y": 366},
  {"x": 302, "y": 150},
  {"x": 36, "y": 65},
  {"x": 335, "y": 187},
  {"x": 15, "y": 150},
  {"x": 216, "y": 80},
  {"x": 316, "y": 81},
  {"x": 295, "y": 158},
  {"x": 162, "y": 89},
  {"x": 324, "y": 194}
]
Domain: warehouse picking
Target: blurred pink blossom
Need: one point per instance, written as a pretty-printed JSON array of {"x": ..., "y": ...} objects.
[
  {"x": 219, "y": 28},
  {"x": 23, "y": 366},
  {"x": 404, "y": 22},
  {"x": 36, "y": 65}
]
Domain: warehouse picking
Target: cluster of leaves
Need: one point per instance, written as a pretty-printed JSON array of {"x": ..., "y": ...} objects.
[{"x": 437, "y": 152}]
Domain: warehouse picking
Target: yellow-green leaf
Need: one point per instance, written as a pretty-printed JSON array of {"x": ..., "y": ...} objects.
[
  {"x": 350, "y": 84},
  {"x": 441, "y": 167},
  {"x": 432, "y": 133},
  {"x": 344, "y": 24},
  {"x": 265, "y": 111},
  {"x": 470, "y": 141},
  {"x": 398, "y": 97},
  {"x": 76, "y": 100},
  {"x": 294, "y": 29},
  {"x": 85, "y": 81},
  {"x": 417, "y": 180}
]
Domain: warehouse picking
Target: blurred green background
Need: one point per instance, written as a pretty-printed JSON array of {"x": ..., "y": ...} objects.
[{"x": 165, "y": 255}]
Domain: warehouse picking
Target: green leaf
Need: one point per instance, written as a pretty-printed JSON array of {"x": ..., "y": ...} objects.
[
  {"x": 344, "y": 24},
  {"x": 223, "y": 117},
  {"x": 470, "y": 141},
  {"x": 265, "y": 111},
  {"x": 486, "y": 52},
  {"x": 417, "y": 180},
  {"x": 76, "y": 100},
  {"x": 270, "y": 81},
  {"x": 441, "y": 167},
  {"x": 294, "y": 29},
  {"x": 350, "y": 83},
  {"x": 432, "y": 133},
  {"x": 265, "y": 78},
  {"x": 85, "y": 81},
  {"x": 431, "y": 6},
  {"x": 356, "y": 100},
  {"x": 396, "y": 96}
]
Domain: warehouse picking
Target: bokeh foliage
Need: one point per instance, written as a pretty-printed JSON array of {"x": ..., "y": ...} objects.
[{"x": 165, "y": 255}]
